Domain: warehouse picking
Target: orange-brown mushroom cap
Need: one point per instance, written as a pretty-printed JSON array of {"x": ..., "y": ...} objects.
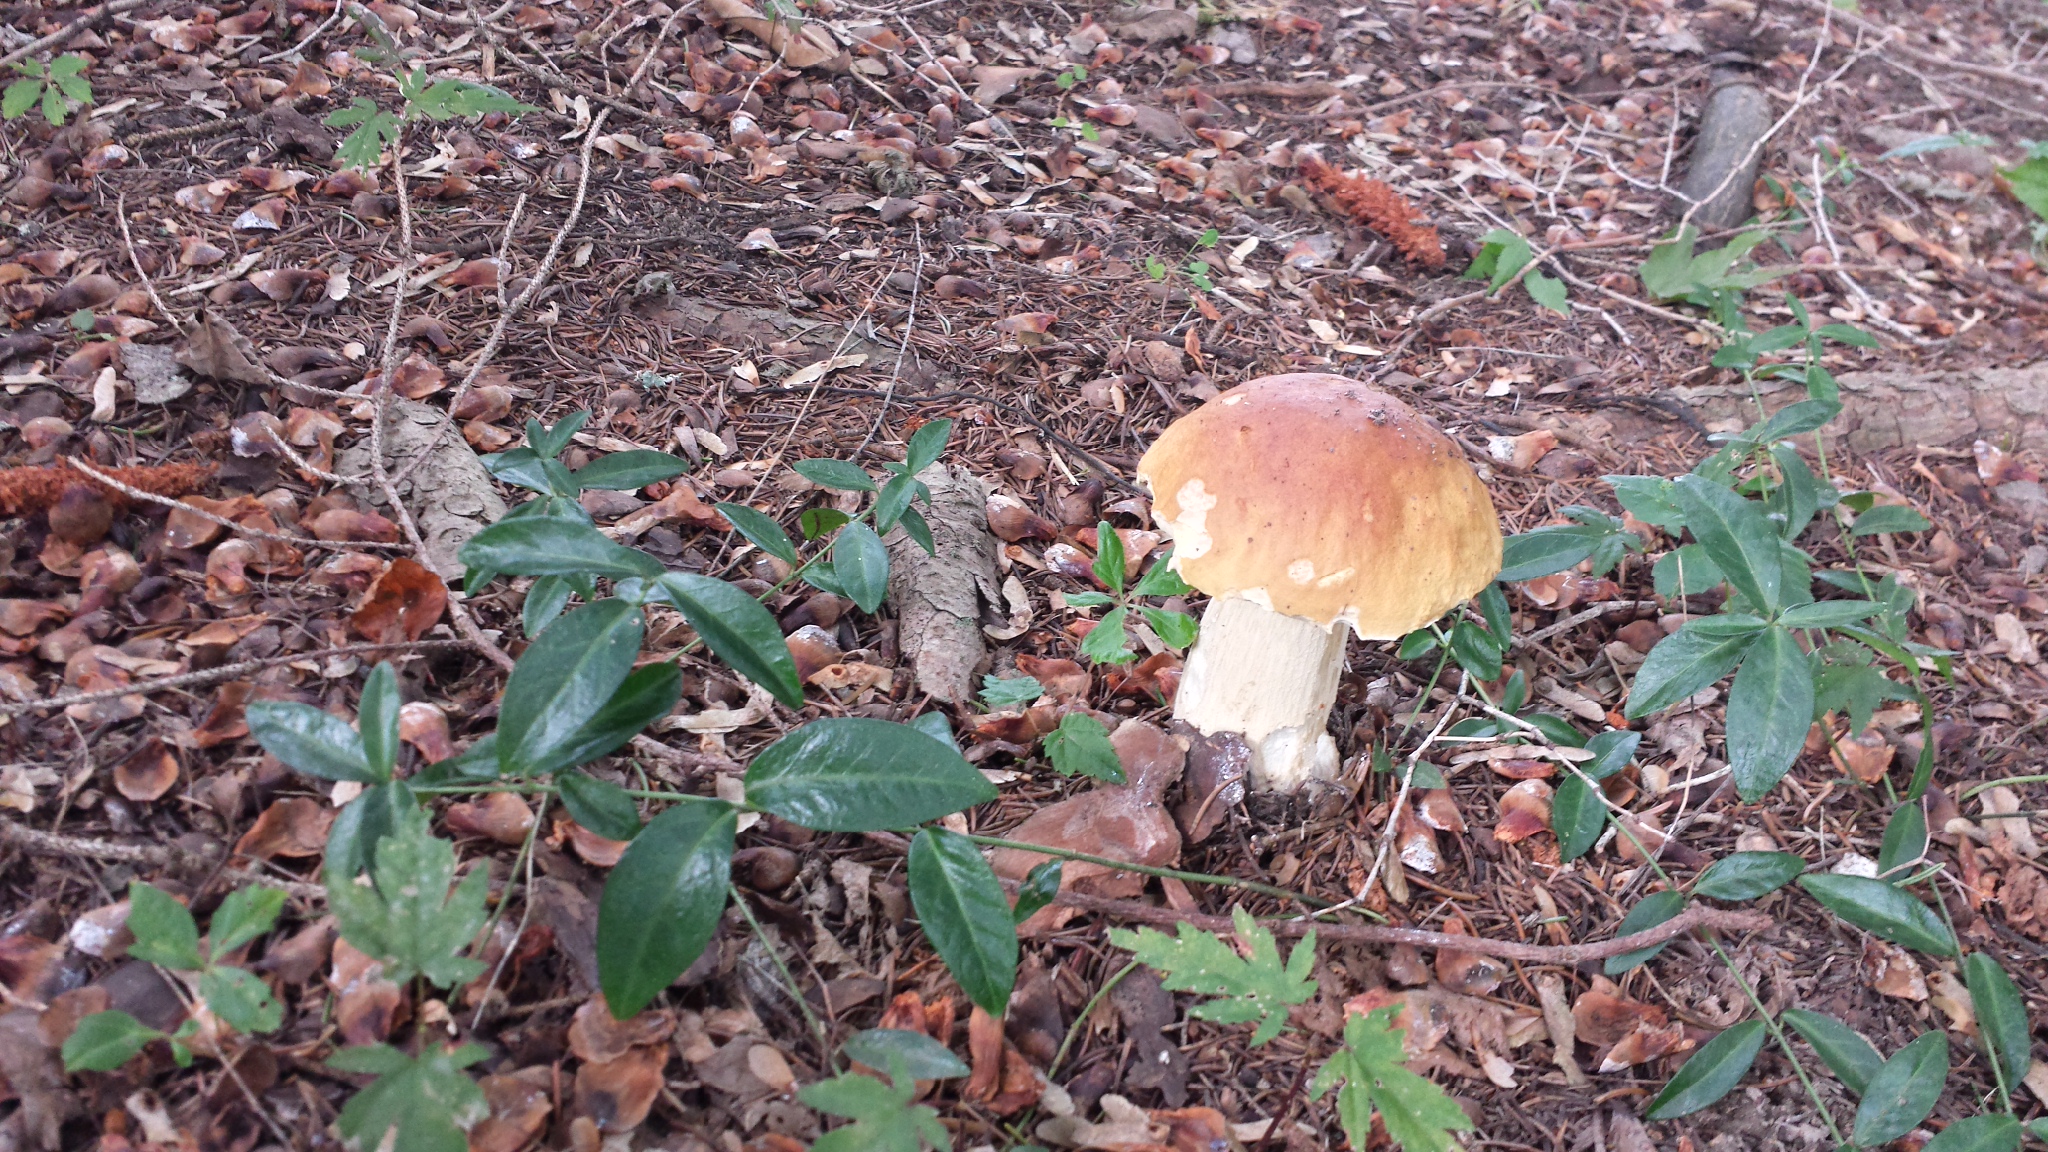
[{"x": 1318, "y": 496}]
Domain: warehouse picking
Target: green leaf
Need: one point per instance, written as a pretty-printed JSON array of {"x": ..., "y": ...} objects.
[
  {"x": 1259, "y": 987},
  {"x": 104, "y": 1041},
  {"x": 935, "y": 725},
  {"x": 884, "y": 1119},
  {"x": 1088, "y": 599},
  {"x": 563, "y": 679},
  {"x": 837, "y": 475},
  {"x": 376, "y": 131},
  {"x": 418, "y": 1105},
  {"x": 544, "y": 601},
  {"x": 1555, "y": 728},
  {"x": 1846, "y": 1053},
  {"x": 1710, "y": 1073},
  {"x": 1040, "y": 885},
  {"x": 1688, "y": 660},
  {"x": 1109, "y": 557},
  {"x": 913, "y": 1053},
  {"x": 1889, "y": 518},
  {"x": 164, "y": 931},
  {"x": 2001, "y": 1015},
  {"x": 409, "y": 919},
  {"x": 997, "y": 694},
  {"x": 662, "y": 902},
  {"x": 1475, "y": 650},
  {"x": 1649, "y": 912},
  {"x": 244, "y": 915},
  {"x": 920, "y": 533},
  {"x": 1648, "y": 498},
  {"x": 19, "y": 98},
  {"x": 764, "y": 533},
  {"x": 550, "y": 442},
  {"x": 1108, "y": 642},
  {"x": 965, "y": 915},
  {"x": 1905, "y": 838},
  {"x": 921, "y": 451},
  {"x": 1371, "y": 1066},
  {"x": 1578, "y": 816},
  {"x": 1748, "y": 875},
  {"x": 1612, "y": 750},
  {"x": 1685, "y": 571},
  {"x": 1828, "y": 613},
  {"x": 520, "y": 467},
  {"x": 1547, "y": 291},
  {"x": 894, "y": 500},
  {"x": 1080, "y": 747},
  {"x": 241, "y": 999},
  {"x": 1416, "y": 645},
  {"x": 648, "y": 693},
  {"x": 311, "y": 741},
  {"x": 1995, "y": 1133},
  {"x": 1883, "y": 910},
  {"x": 1903, "y": 1091},
  {"x": 377, "y": 720},
  {"x": 552, "y": 546},
  {"x": 1160, "y": 579},
  {"x": 1737, "y": 536},
  {"x": 629, "y": 471},
  {"x": 1545, "y": 551},
  {"x": 599, "y": 805},
  {"x": 853, "y": 774},
  {"x": 860, "y": 561},
  {"x": 365, "y": 821},
  {"x": 1770, "y": 709},
  {"x": 738, "y": 630},
  {"x": 1492, "y": 603},
  {"x": 1176, "y": 630}
]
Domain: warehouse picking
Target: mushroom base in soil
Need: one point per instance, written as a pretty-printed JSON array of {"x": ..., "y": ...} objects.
[{"x": 1306, "y": 504}]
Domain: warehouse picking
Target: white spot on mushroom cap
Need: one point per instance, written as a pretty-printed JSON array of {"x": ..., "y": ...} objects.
[
  {"x": 1337, "y": 577},
  {"x": 1302, "y": 571},
  {"x": 1190, "y": 529}
]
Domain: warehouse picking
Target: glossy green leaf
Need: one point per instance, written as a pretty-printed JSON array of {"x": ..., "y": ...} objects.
[
  {"x": 551, "y": 442},
  {"x": 1040, "y": 885},
  {"x": 520, "y": 467},
  {"x": 935, "y": 725},
  {"x": 104, "y": 1041},
  {"x": 1547, "y": 291},
  {"x": 921, "y": 451},
  {"x": 1177, "y": 630},
  {"x": 1416, "y": 645},
  {"x": 563, "y": 679},
  {"x": 1903, "y": 1092},
  {"x": 894, "y": 501},
  {"x": 858, "y": 775},
  {"x": 362, "y": 823},
  {"x": 920, "y": 533},
  {"x": 1748, "y": 875},
  {"x": 1080, "y": 747},
  {"x": 1109, "y": 557},
  {"x": 310, "y": 741},
  {"x": 1649, "y": 912},
  {"x": 763, "y": 532},
  {"x": 414, "y": 1105},
  {"x": 1737, "y": 537},
  {"x": 1554, "y": 728},
  {"x": 1995, "y": 1133},
  {"x": 1770, "y": 709},
  {"x": 1883, "y": 910},
  {"x": 913, "y": 1053},
  {"x": 629, "y": 471},
  {"x": 1475, "y": 650},
  {"x": 165, "y": 932},
  {"x": 553, "y": 546},
  {"x": 245, "y": 914},
  {"x": 1846, "y": 1053},
  {"x": 544, "y": 601},
  {"x": 1710, "y": 1073},
  {"x": 1109, "y": 642},
  {"x": 835, "y": 474},
  {"x": 377, "y": 720},
  {"x": 1161, "y": 579},
  {"x": 1905, "y": 839},
  {"x": 1828, "y": 613},
  {"x": 1612, "y": 750},
  {"x": 1546, "y": 551},
  {"x": 240, "y": 998},
  {"x": 662, "y": 902},
  {"x": 649, "y": 693},
  {"x": 599, "y": 805},
  {"x": 1685, "y": 571},
  {"x": 2001, "y": 1015},
  {"x": 738, "y": 630},
  {"x": 1578, "y": 816},
  {"x": 816, "y": 523},
  {"x": 860, "y": 561},
  {"x": 965, "y": 915},
  {"x": 1648, "y": 498},
  {"x": 1683, "y": 663}
]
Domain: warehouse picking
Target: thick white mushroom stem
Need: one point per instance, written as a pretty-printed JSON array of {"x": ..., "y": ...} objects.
[{"x": 1270, "y": 678}]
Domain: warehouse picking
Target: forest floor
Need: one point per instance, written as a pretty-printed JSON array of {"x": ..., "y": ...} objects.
[{"x": 1098, "y": 219}]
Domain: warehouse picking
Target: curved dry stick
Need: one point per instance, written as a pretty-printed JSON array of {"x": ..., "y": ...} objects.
[
  {"x": 134, "y": 493},
  {"x": 15, "y": 834},
  {"x": 219, "y": 672},
  {"x": 1697, "y": 916}
]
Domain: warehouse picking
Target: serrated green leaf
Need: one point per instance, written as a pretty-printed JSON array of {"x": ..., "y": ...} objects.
[
  {"x": 1080, "y": 747},
  {"x": 1548, "y": 291},
  {"x": 1108, "y": 642},
  {"x": 1161, "y": 579},
  {"x": 244, "y": 915},
  {"x": 1710, "y": 1073},
  {"x": 1177, "y": 630},
  {"x": 884, "y": 1119},
  {"x": 240, "y": 998},
  {"x": 104, "y": 1041},
  {"x": 417, "y": 1105},
  {"x": 1372, "y": 1069},
  {"x": 1259, "y": 987},
  {"x": 409, "y": 919},
  {"x": 998, "y": 693},
  {"x": 19, "y": 97}
]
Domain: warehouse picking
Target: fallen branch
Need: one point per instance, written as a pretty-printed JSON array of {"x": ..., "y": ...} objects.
[
  {"x": 93, "y": 16},
  {"x": 221, "y": 672},
  {"x": 15, "y": 834},
  {"x": 1696, "y": 917}
]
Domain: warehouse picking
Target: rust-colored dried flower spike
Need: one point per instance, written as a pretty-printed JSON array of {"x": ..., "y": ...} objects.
[
  {"x": 1379, "y": 208},
  {"x": 25, "y": 490}
]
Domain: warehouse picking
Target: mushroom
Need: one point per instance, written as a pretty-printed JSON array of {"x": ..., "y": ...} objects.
[{"x": 1298, "y": 503}]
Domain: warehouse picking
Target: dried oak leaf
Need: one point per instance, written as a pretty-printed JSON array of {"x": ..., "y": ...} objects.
[{"x": 294, "y": 828}]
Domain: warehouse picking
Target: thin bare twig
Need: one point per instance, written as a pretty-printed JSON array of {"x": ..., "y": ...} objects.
[
  {"x": 91, "y": 17},
  {"x": 221, "y": 672},
  {"x": 134, "y": 493}
]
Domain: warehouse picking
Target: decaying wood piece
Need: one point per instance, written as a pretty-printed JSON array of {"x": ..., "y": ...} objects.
[
  {"x": 1886, "y": 410},
  {"x": 1722, "y": 171},
  {"x": 451, "y": 495},
  {"x": 938, "y": 598}
]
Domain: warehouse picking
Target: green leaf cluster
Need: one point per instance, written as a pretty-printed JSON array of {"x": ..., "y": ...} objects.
[
  {"x": 1109, "y": 642},
  {"x": 375, "y": 130},
  {"x": 1502, "y": 254},
  {"x": 49, "y": 86}
]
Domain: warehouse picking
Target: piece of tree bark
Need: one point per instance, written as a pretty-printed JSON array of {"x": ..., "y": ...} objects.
[
  {"x": 938, "y": 598},
  {"x": 452, "y": 497},
  {"x": 1737, "y": 115},
  {"x": 1887, "y": 410}
]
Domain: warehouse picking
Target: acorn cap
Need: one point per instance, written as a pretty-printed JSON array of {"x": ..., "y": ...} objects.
[{"x": 1317, "y": 496}]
